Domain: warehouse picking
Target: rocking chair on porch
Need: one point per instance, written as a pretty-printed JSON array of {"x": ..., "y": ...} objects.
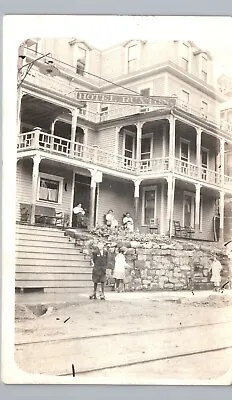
[{"x": 154, "y": 225}]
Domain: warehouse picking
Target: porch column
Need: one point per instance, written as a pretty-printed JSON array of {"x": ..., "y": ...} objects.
[
  {"x": 19, "y": 104},
  {"x": 136, "y": 202},
  {"x": 221, "y": 212},
  {"x": 164, "y": 140},
  {"x": 86, "y": 132},
  {"x": 198, "y": 152},
  {"x": 170, "y": 204},
  {"x": 72, "y": 199},
  {"x": 172, "y": 123},
  {"x": 162, "y": 214},
  {"x": 96, "y": 178},
  {"x": 139, "y": 126},
  {"x": 53, "y": 126},
  {"x": 35, "y": 174},
  {"x": 197, "y": 207},
  {"x": 73, "y": 130},
  {"x": 117, "y": 130},
  {"x": 222, "y": 160},
  {"x": 52, "y": 133},
  {"x": 37, "y": 132}
]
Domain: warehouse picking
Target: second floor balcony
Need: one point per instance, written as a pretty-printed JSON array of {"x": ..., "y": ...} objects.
[{"x": 37, "y": 140}]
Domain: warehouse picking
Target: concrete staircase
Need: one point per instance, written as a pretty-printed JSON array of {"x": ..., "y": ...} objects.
[{"x": 49, "y": 261}]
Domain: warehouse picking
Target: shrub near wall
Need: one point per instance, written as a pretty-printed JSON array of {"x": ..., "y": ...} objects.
[{"x": 158, "y": 263}]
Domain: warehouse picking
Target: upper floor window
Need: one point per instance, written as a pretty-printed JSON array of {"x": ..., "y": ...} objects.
[
  {"x": 185, "y": 98},
  {"x": 185, "y": 57},
  {"x": 81, "y": 61},
  {"x": 204, "y": 68},
  {"x": 184, "y": 150},
  {"x": 132, "y": 57}
]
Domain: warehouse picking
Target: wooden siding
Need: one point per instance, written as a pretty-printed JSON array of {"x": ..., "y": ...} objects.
[
  {"x": 24, "y": 184},
  {"x": 106, "y": 139},
  {"x": 175, "y": 86},
  {"x": 207, "y": 213},
  {"x": 115, "y": 195}
]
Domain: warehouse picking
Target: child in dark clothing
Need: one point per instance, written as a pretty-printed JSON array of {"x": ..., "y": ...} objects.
[{"x": 99, "y": 262}]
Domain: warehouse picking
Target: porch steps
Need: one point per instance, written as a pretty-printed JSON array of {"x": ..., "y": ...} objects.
[{"x": 48, "y": 260}]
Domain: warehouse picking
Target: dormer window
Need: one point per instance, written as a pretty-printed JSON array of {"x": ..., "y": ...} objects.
[
  {"x": 185, "y": 57},
  {"x": 132, "y": 57},
  {"x": 204, "y": 68},
  {"x": 81, "y": 61}
]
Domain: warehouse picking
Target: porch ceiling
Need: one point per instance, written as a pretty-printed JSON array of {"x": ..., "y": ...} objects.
[{"x": 37, "y": 112}]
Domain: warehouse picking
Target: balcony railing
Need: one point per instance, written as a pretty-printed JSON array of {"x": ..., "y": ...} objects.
[
  {"x": 155, "y": 165},
  {"x": 78, "y": 151},
  {"x": 96, "y": 156},
  {"x": 185, "y": 168}
]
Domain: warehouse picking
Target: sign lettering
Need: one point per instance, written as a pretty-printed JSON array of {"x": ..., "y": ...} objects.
[{"x": 136, "y": 100}]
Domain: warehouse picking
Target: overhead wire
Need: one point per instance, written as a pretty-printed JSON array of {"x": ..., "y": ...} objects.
[{"x": 96, "y": 76}]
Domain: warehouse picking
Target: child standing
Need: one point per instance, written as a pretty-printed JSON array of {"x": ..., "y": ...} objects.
[
  {"x": 216, "y": 268},
  {"x": 99, "y": 263},
  {"x": 119, "y": 269}
]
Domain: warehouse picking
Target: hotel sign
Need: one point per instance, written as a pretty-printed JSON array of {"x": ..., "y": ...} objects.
[{"x": 135, "y": 100}]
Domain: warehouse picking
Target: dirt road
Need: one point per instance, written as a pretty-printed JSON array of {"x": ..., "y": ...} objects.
[{"x": 135, "y": 338}]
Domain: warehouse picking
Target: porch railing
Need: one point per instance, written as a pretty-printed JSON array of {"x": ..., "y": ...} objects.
[
  {"x": 37, "y": 139},
  {"x": 154, "y": 165},
  {"x": 58, "y": 145},
  {"x": 185, "y": 168}
]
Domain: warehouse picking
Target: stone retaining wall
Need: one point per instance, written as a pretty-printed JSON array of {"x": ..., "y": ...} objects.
[{"x": 159, "y": 263}]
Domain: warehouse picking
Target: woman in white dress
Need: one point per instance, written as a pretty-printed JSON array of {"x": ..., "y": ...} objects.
[{"x": 119, "y": 268}]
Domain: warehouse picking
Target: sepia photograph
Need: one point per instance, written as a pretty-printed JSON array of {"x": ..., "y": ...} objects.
[{"x": 123, "y": 200}]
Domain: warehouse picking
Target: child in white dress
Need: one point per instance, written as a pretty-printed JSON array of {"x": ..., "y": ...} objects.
[
  {"x": 216, "y": 268},
  {"x": 119, "y": 269}
]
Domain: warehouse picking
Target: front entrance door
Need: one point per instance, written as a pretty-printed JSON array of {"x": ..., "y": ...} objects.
[
  {"x": 81, "y": 195},
  {"x": 189, "y": 210}
]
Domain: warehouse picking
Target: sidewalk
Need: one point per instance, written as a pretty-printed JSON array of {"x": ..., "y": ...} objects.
[{"x": 59, "y": 298}]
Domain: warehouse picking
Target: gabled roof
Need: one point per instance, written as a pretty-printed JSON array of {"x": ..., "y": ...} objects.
[
  {"x": 133, "y": 40},
  {"x": 77, "y": 41},
  {"x": 198, "y": 50},
  {"x": 224, "y": 77}
]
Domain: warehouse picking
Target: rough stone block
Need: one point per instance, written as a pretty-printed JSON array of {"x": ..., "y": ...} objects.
[
  {"x": 173, "y": 280},
  {"x": 168, "y": 286},
  {"x": 185, "y": 267},
  {"x": 154, "y": 285},
  {"x": 135, "y": 244},
  {"x": 151, "y": 273},
  {"x": 130, "y": 251},
  {"x": 155, "y": 246},
  {"x": 165, "y": 252},
  {"x": 139, "y": 264},
  {"x": 146, "y": 282},
  {"x": 148, "y": 245},
  {"x": 141, "y": 257}
]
